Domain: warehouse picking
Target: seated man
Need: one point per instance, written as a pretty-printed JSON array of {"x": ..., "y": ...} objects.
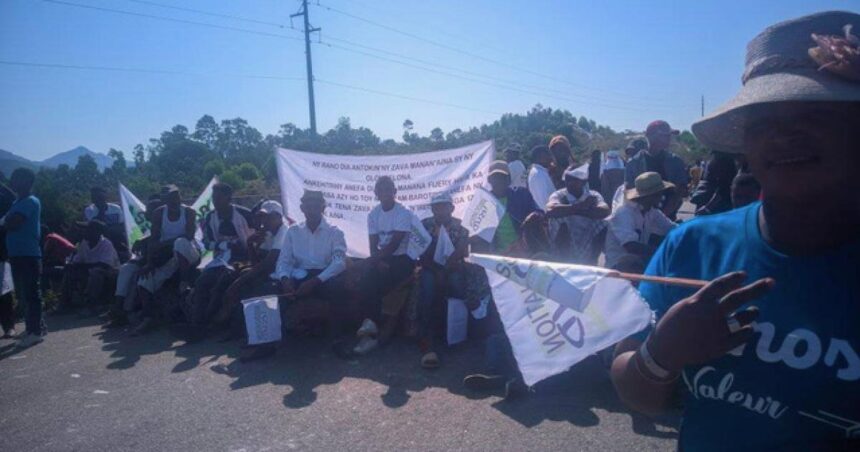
[
  {"x": 225, "y": 232},
  {"x": 637, "y": 226},
  {"x": 445, "y": 274},
  {"x": 92, "y": 268},
  {"x": 518, "y": 204},
  {"x": 111, "y": 215},
  {"x": 256, "y": 280},
  {"x": 171, "y": 251},
  {"x": 389, "y": 226},
  {"x": 576, "y": 219},
  {"x": 126, "y": 280},
  {"x": 312, "y": 258}
]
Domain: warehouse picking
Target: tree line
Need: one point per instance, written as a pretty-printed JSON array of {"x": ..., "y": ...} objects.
[{"x": 242, "y": 156}]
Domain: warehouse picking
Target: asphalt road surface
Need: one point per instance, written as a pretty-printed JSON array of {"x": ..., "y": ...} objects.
[{"x": 90, "y": 388}]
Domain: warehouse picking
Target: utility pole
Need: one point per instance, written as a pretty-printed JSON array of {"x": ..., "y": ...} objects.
[
  {"x": 703, "y": 105},
  {"x": 309, "y": 65}
]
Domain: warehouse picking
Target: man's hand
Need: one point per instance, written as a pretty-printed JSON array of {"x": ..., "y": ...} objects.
[
  {"x": 147, "y": 270},
  {"x": 287, "y": 288},
  {"x": 307, "y": 287},
  {"x": 696, "y": 330}
]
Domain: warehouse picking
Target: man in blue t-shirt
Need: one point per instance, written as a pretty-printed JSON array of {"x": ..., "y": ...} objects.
[
  {"x": 772, "y": 364},
  {"x": 23, "y": 228}
]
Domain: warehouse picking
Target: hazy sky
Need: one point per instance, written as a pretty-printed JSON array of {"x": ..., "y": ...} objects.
[{"x": 622, "y": 63}]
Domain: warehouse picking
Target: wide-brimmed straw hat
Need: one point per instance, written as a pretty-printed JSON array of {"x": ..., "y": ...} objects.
[
  {"x": 784, "y": 63},
  {"x": 647, "y": 184}
]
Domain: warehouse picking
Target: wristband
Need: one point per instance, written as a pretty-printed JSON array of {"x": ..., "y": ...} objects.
[{"x": 652, "y": 366}]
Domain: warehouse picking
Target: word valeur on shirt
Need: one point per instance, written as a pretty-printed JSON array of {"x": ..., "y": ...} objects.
[{"x": 708, "y": 388}]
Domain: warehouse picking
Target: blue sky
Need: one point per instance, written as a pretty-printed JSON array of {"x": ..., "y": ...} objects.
[{"x": 621, "y": 63}]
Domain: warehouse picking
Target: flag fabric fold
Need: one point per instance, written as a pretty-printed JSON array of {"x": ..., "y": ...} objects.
[{"x": 555, "y": 315}]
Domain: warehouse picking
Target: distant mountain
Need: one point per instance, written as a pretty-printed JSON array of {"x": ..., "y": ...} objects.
[
  {"x": 70, "y": 158},
  {"x": 10, "y": 161}
]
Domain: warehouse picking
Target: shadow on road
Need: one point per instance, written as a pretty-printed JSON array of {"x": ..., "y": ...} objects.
[{"x": 305, "y": 364}]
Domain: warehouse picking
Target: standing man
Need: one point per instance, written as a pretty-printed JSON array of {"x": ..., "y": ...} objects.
[
  {"x": 23, "y": 225},
  {"x": 767, "y": 352},
  {"x": 541, "y": 184},
  {"x": 657, "y": 158},
  {"x": 577, "y": 213}
]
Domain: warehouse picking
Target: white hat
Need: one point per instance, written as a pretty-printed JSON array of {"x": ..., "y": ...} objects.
[
  {"x": 271, "y": 206},
  {"x": 580, "y": 172}
]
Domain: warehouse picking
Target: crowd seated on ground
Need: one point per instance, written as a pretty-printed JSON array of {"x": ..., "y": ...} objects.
[{"x": 195, "y": 286}]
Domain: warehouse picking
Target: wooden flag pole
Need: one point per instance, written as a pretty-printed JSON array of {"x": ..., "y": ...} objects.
[{"x": 681, "y": 282}]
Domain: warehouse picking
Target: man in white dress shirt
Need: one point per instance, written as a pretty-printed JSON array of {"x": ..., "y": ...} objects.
[{"x": 311, "y": 262}]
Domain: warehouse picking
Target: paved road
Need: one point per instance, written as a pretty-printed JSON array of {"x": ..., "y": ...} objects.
[{"x": 87, "y": 388}]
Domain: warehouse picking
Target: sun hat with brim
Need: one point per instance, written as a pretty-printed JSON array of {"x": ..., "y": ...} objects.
[
  {"x": 780, "y": 68},
  {"x": 647, "y": 184}
]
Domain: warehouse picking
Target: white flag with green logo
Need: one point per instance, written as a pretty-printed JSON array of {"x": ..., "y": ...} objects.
[
  {"x": 134, "y": 215},
  {"x": 202, "y": 206},
  {"x": 555, "y": 315}
]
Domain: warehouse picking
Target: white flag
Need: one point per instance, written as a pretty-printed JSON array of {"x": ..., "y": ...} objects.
[
  {"x": 134, "y": 215},
  {"x": 262, "y": 320},
  {"x": 483, "y": 214},
  {"x": 556, "y": 315},
  {"x": 202, "y": 206},
  {"x": 419, "y": 239},
  {"x": 444, "y": 247}
]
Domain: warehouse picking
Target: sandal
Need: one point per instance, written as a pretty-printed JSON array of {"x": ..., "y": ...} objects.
[{"x": 430, "y": 360}]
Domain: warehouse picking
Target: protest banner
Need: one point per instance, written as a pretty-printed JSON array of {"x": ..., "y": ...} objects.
[
  {"x": 555, "y": 315},
  {"x": 347, "y": 183}
]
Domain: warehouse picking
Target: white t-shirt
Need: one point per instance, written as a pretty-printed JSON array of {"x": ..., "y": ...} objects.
[
  {"x": 540, "y": 185},
  {"x": 113, "y": 213},
  {"x": 629, "y": 224},
  {"x": 519, "y": 175},
  {"x": 385, "y": 224}
]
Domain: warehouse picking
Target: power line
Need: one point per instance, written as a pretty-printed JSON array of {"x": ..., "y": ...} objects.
[
  {"x": 209, "y": 74},
  {"x": 142, "y": 70},
  {"x": 401, "y": 96},
  {"x": 481, "y": 82},
  {"x": 207, "y": 13},
  {"x": 465, "y": 52},
  {"x": 170, "y": 19}
]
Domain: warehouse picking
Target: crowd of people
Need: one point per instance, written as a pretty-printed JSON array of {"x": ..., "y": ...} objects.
[{"x": 775, "y": 208}]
